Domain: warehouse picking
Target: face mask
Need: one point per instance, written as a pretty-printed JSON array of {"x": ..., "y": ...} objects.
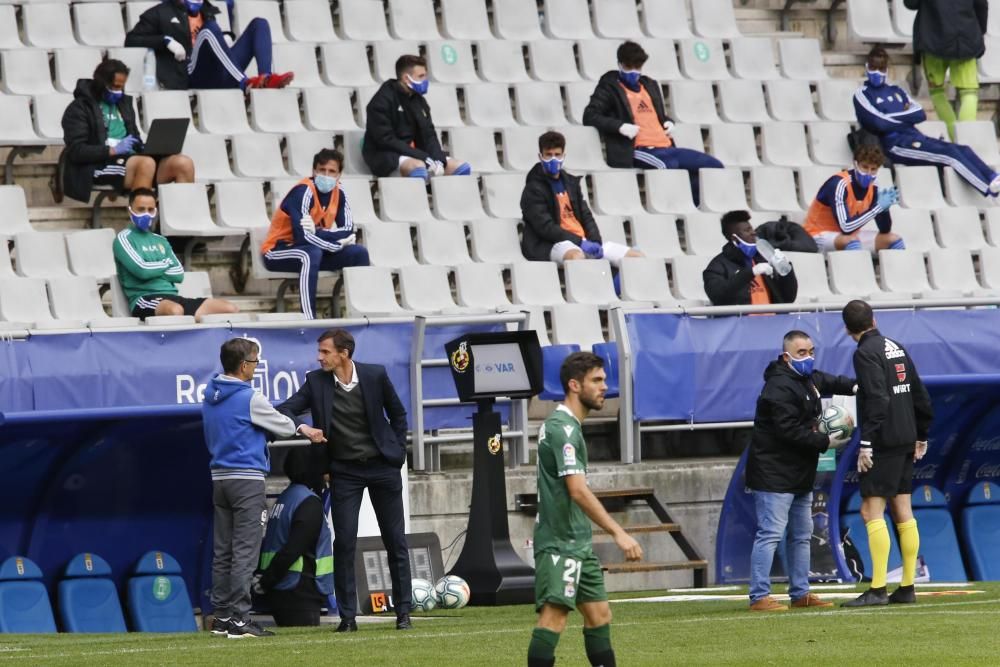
[
  {"x": 875, "y": 77},
  {"x": 193, "y": 6},
  {"x": 630, "y": 78},
  {"x": 863, "y": 179},
  {"x": 142, "y": 221},
  {"x": 325, "y": 183},
  {"x": 748, "y": 249},
  {"x": 419, "y": 87},
  {"x": 552, "y": 166},
  {"x": 803, "y": 367},
  {"x": 113, "y": 96}
]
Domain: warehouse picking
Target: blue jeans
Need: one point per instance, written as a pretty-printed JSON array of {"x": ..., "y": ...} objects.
[{"x": 775, "y": 512}]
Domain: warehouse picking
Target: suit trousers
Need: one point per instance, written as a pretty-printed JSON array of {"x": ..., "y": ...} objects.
[{"x": 348, "y": 481}]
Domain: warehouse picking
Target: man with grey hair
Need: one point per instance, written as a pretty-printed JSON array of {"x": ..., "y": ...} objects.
[{"x": 237, "y": 422}]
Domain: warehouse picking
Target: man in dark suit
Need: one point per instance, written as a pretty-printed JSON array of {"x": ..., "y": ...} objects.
[{"x": 357, "y": 409}]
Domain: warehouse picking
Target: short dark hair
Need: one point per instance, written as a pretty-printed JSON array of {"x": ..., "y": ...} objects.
[
  {"x": 858, "y": 316},
  {"x": 877, "y": 53},
  {"x": 407, "y": 62},
  {"x": 576, "y": 366},
  {"x": 551, "y": 139},
  {"x": 234, "y": 352},
  {"x": 140, "y": 192},
  {"x": 794, "y": 334},
  {"x": 327, "y": 154},
  {"x": 869, "y": 154},
  {"x": 632, "y": 55},
  {"x": 342, "y": 339},
  {"x": 105, "y": 72},
  {"x": 731, "y": 219}
]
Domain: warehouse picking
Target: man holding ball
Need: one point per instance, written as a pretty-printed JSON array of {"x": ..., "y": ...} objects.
[{"x": 781, "y": 467}]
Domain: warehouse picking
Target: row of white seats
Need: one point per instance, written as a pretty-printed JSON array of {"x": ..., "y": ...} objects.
[
  {"x": 945, "y": 273},
  {"x": 52, "y": 24}
]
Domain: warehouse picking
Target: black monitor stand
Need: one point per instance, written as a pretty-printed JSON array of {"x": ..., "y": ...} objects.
[{"x": 495, "y": 573}]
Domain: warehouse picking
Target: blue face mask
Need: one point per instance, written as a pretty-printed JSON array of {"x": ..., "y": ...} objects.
[
  {"x": 748, "y": 249},
  {"x": 630, "y": 78},
  {"x": 875, "y": 77},
  {"x": 113, "y": 96},
  {"x": 193, "y": 6},
  {"x": 863, "y": 179},
  {"x": 552, "y": 166},
  {"x": 142, "y": 221},
  {"x": 419, "y": 87},
  {"x": 803, "y": 367},
  {"x": 325, "y": 183}
]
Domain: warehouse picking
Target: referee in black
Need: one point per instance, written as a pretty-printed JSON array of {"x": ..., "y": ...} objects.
[{"x": 895, "y": 414}]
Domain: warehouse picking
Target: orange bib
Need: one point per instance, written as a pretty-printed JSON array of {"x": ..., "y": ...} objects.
[
  {"x": 281, "y": 222},
  {"x": 821, "y": 218},
  {"x": 651, "y": 133}
]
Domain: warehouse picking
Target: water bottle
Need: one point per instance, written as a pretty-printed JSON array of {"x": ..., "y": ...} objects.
[
  {"x": 774, "y": 257},
  {"x": 149, "y": 70}
]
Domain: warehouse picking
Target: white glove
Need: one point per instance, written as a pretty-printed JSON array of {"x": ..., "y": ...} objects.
[
  {"x": 865, "y": 459},
  {"x": 764, "y": 268},
  {"x": 176, "y": 48},
  {"x": 668, "y": 125},
  {"x": 628, "y": 130},
  {"x": 308, "y": 226},
  {"x": 349, "y": 240},
  {"x": 920, "y": 451}
]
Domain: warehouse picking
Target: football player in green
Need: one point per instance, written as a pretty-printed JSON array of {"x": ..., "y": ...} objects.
[{"x": 567, "y": 573}]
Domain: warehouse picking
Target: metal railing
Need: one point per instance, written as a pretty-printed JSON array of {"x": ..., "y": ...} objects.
[{"x": 516, "y": 434}]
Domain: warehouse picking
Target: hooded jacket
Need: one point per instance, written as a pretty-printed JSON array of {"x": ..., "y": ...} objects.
[
  {"x": 608, "y": 109},
  {"x": 540, "y": 212},
  {"x": 85, "y": 137},
  {"x": 949, "y": 29},
  {"x": 169, "y": 18},
  {"x": 785, "y": 446},
  {"x": 237, "y": 421},
  {"x": 728, "y": 276},
  {"x": 398, "y": 124}
]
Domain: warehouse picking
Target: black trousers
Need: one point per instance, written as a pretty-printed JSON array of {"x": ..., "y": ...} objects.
[{"x": 348, "y": 481}]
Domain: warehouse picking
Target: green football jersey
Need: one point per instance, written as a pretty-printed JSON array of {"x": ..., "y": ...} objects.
[{"x": 560, "y": 524}]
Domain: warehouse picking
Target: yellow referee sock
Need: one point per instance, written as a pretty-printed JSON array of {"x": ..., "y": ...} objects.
[
  {"x": 909, "y": 545},
  {"x": 878, "y": 546}
]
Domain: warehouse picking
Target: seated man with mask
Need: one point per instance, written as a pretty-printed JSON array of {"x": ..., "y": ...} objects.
[
  {"x": 313, "y": 229},
  {"x": 739, "y": 275},
  {"x": 848, "y": 201},
  {"x": 296, "y": 558}
]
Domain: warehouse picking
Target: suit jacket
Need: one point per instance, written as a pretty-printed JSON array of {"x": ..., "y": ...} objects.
[{"x": 386, "y": 414}]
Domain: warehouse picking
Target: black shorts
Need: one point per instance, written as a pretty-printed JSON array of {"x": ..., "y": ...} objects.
[
  {"x": 891, "y": 475},
  {"x": 146, "y": 305}
]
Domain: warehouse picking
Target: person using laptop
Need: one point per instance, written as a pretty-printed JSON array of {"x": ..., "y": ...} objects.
[{"x": 103, "y": 144}]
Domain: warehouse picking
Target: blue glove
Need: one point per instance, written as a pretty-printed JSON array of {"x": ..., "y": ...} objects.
[
  {"x": 592, "y": 249},
  {"x": 126, "y": 145},
  {"x": 887, "y": 198}
]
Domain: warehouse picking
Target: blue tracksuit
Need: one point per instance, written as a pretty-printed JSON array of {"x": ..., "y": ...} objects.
[
  {"x": 888, "y": 112},
  {"x": 215, "y": 64}
]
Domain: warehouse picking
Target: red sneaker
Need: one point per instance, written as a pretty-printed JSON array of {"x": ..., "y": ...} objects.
[{"x": 279, "y": 80}]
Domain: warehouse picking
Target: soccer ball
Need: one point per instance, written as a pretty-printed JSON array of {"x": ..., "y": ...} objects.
[
  {"x": 452, "y": 592},
  {"x": 837, "y": 421},
  {"x": 422, "y": 595}
]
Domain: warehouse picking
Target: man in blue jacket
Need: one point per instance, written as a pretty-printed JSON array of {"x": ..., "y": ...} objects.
[
  {"x": 888, "y": 112},
  {"x": 237, "y": 421}
]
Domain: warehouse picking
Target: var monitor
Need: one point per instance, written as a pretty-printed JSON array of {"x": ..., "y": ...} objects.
[{"x": 488, "y": 365}]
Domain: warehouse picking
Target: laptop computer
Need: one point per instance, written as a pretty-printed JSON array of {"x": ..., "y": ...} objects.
[{"x": 166, "y": 137}]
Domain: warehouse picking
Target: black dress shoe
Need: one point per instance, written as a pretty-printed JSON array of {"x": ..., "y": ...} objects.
[
  {"x": 873, "y": 597},
  {"x": 347, "y": 625},
  {"x": 903, "y": 595},
  {"x": 403, "y": 622}
]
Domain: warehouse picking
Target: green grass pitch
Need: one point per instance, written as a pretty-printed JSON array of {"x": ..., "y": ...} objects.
[{"x": 940, "y": 630}]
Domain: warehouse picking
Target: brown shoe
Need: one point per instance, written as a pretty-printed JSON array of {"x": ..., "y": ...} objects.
[
  {"x": 810, "y": 600},
  {"x": 768, "y": 604}
]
